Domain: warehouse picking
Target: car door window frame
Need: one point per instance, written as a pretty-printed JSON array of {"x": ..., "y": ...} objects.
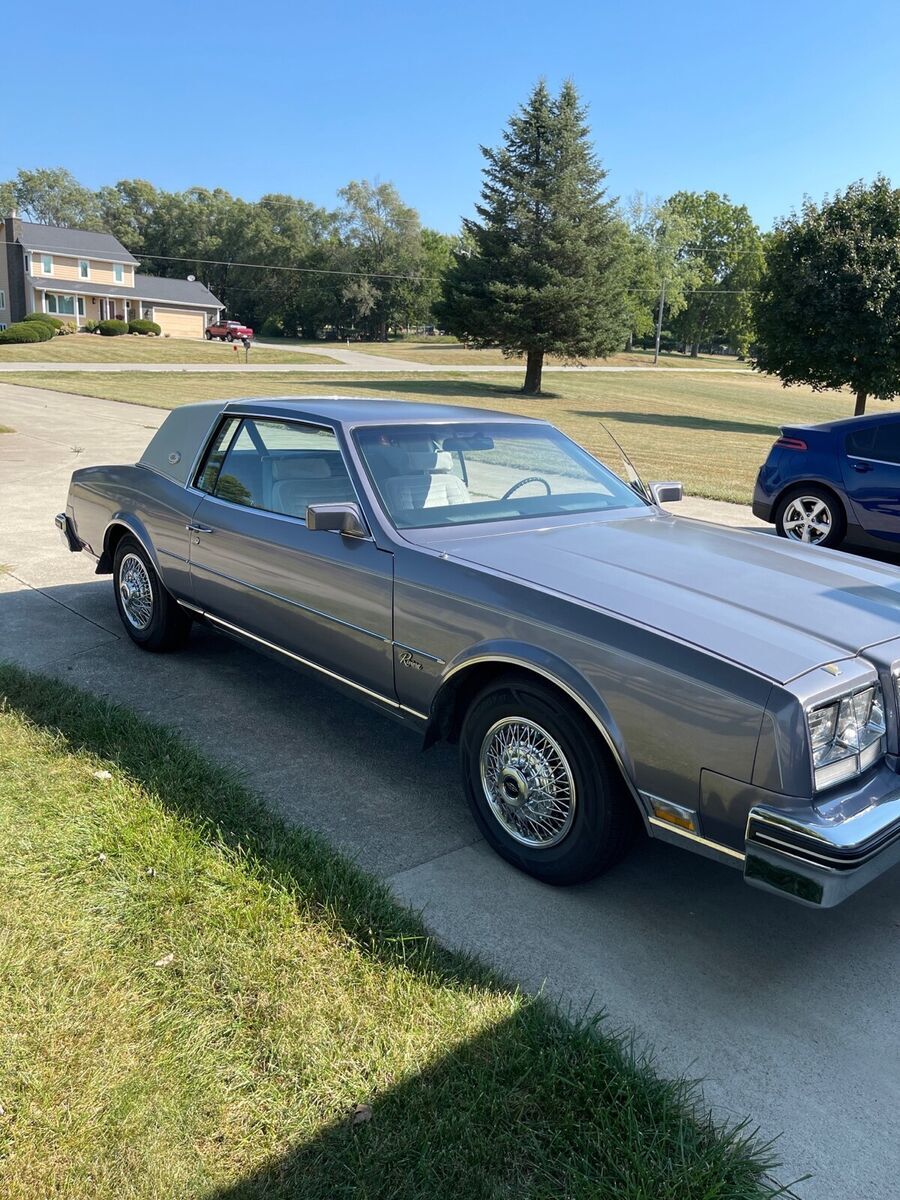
[{"x": 248, "y": 421}]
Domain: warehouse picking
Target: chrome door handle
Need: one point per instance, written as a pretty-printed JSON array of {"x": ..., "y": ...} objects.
[
  {"x": 198, "y": 529},
  {"x": 861, "y": 467}
]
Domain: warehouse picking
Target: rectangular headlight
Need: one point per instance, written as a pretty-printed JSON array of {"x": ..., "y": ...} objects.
[{"x": 846, "y": 735}]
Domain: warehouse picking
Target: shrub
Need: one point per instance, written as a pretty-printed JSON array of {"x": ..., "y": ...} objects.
[
  {"x": 113, "y": 327},
  {"x": 45, "y": 318},
  {"x": 272, "y": 327},
  {"x": 90, "y": 327},
  {"x": 144, "y": 327},
  {"x": 67, "y": 327},
  {"x": 25, "y": 331}
]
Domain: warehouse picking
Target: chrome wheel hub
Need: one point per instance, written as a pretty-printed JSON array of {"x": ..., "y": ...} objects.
[
  {"x": 807, "y": 519},
  {"x": 135, "y": 592},
  {"x": 527, "y": 782}
]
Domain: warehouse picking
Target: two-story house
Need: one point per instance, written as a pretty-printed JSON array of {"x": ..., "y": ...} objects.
[{"x": 82, "y": 276}]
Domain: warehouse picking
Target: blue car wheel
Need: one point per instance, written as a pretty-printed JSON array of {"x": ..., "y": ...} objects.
[{"x": 812, "y": 515}]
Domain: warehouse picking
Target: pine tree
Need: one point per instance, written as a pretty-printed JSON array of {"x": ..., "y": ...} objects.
[{"x": 543, "y": 268}]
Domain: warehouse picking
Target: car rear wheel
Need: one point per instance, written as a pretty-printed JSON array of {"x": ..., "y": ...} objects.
[
  {"x": 812, "y": 515},
  {"x": 152, "y": 618},
  {"x": 540, "y": 783},
  {"x": 209, "y": 336}
]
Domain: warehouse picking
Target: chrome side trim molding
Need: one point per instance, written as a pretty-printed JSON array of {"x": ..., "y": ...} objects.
[
  {"x": 306, "y": 662},
  {"x": 190, "y": 607},
  {"x": 424, "y": 653},
  {"x": 673, "y": 833}
]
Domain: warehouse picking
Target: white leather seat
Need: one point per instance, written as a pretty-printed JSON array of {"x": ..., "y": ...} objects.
[
  {"x": 304, "y": 480},
  {"x": 428, "y": 482}
]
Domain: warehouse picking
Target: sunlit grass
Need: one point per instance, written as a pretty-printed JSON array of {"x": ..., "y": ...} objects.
[
  {"x": 130, "y": 348},
  {"x": 196, "y": 1001},
  {"x": 709, "y": 430}
]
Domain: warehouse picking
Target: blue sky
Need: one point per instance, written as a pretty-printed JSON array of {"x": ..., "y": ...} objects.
[{"x": 764, "y": 101}]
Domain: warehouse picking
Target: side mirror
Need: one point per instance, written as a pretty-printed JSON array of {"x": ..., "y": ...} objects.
[
  {"x": 666, "y": 493},
  {"x": 343, "y": 518}
]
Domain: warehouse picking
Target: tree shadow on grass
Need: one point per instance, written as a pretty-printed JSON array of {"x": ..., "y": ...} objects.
[
  {"x": 463, "y": 388},
  {"x": 680, "y": 421},
  {"x": 532, "y": 1106}
]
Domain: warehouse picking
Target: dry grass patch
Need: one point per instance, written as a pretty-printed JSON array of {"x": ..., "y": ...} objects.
[{"x": 710, "y": 430}]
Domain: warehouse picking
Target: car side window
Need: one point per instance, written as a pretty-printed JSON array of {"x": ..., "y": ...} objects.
[
  {"x": 887, "y": 443},
  {"x": 861, "y": 442},
  {"x": 283, "y": 467},
  {"x": 209, "y": 472}
]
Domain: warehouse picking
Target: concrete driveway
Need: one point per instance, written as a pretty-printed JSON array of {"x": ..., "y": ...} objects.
[{"x": 789, "y": 1016}]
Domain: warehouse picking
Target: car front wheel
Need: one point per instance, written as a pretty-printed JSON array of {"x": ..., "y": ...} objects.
[
  {"x": 229, "y": 337},
  {"x": 152, "y": 618},
  {"x": 540, "y": 783},
  {"x": 812, "y": 515}
]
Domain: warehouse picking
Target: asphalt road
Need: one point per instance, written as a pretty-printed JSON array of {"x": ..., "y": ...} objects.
[{"x": 789, "y": 1016}]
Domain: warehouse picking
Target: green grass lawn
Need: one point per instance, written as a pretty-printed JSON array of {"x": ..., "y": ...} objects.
[
  {"x": 6, "y": 429},
  {"x": 197, "y": 1002},
  {"x": 82, "y": 348},
  {"x": 710, "y": 430},
  {"x": 459, "y": 355}
]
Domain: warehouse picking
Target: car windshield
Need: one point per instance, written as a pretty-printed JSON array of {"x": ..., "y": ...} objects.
[{"x": 455, "y": 474}]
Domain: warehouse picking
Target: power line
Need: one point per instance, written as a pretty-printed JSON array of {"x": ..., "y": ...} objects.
[{"x": 225, "y": 262}]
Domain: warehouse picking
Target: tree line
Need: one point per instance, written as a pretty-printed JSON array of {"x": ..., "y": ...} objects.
[
  {"x": 550, "y": 264},
  {"x": 363, "y": 267}
]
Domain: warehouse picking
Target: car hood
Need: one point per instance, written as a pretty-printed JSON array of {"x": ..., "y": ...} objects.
[{"x": 771, "y": 605}]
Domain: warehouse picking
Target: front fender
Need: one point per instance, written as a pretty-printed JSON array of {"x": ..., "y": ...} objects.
[{"x": 549, "y": 666}]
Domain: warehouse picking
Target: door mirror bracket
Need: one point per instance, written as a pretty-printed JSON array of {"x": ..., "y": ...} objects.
[{"x": 342, "y": 518}]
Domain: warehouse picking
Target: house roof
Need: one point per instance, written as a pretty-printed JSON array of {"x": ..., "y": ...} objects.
[
  {"x": 155, "y": 288},
  {"x": 56, "y": 239}
]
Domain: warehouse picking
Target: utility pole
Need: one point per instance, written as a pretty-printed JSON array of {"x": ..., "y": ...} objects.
[{"x": 662, "y": 304}]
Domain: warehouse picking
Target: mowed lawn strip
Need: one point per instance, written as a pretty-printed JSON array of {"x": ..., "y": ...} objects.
[
  {"x": 709, "y": 430},
  {"x": 196, "y": 1001},
  {"x": 457, "y": 354},
  {"x": 131, "y": 348}
]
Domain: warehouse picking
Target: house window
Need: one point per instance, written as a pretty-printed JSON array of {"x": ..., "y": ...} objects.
[
  {"x": 81, "y": 306},
  {"x": 63, "y": 306},
  {"x": 47, "y": 264},
  {"x": 2, "y": 300},
  {"x": 27, "y": 264},
  {"x": 84, "y": 268},
  {"x": 118, "y": 272}
]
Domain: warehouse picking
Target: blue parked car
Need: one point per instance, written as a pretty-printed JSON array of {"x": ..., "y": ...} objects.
[{"x": 826, "y": 484}]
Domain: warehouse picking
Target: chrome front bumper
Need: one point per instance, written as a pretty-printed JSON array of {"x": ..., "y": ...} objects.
[{"x": 819, "y": 857}]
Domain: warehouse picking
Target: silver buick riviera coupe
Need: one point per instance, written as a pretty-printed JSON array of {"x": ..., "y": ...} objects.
[{"x": 602, "y": 664}]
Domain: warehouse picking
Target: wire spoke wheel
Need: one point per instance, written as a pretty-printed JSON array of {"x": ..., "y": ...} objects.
[
  {"x": 807, "y": 519},
  {"x": 135, "y": 592},
  {"x": 527, "y": 782}
]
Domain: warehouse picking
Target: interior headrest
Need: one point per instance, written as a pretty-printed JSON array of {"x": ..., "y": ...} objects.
[
  {"x": 429, "y": 460},
  {"x": 300, "y": 466}
]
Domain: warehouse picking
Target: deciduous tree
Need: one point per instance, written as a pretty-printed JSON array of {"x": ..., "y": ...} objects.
[
  {"x": 727, "y": 252},
  {"x": 828, "y": 313}
]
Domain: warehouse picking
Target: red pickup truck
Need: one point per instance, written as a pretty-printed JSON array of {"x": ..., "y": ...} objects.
[{"x": 228, "y": 331}]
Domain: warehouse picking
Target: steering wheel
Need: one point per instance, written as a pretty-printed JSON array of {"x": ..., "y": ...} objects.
[{"x": 528, "y": 479}]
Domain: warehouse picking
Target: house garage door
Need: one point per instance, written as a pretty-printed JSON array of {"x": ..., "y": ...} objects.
[{"x": 179, "y": 322}]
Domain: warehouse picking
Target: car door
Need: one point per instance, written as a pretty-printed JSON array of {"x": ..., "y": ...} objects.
[
  {"x": 255, "y": 566},
  {"x": 871, "y": 471}
]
